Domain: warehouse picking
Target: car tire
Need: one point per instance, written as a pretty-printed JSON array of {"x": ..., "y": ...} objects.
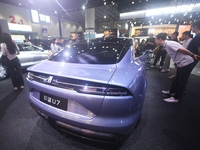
[{"x": 3, "y": 72}]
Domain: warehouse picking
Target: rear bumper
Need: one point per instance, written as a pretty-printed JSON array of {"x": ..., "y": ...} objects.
[
  {"x": 115, "y": 119},
  {"x": 81, "y": 132}
]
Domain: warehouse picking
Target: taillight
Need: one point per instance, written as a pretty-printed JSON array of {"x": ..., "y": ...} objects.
[
  {"x": 118, "y": 91},
  {"x": 109, "y": 91},
  {"x": 80, "y": 86},
  {"x": 91, "y": 90}
]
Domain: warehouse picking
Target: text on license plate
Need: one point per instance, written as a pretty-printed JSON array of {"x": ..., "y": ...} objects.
[{"x": 53, "y": 101}]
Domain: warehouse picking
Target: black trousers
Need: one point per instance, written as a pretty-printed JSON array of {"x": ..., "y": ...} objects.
[
  {"x": 15, "y": 71},
  {"x": 161, "y": 53},
  {"x": 181, "y": 79}
]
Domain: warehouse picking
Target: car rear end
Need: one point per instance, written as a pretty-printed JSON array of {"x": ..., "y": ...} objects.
[{"x": 83, "y": 100}]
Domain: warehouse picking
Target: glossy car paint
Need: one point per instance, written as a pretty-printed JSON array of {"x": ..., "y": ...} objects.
[{"x": 98, "y": 114}]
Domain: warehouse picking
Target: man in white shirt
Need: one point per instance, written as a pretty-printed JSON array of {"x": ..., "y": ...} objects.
[
  {"x": 186, "y": 41},
  {"x": 185, "y": 64},
  {"x": 27, "y": 41},
  {"x": 186, "y": 38}
]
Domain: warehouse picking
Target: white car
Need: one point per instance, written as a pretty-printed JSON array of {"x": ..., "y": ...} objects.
[{"x": 29, "y": 55}]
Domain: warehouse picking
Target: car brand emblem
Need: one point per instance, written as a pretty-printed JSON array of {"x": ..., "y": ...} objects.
[{"x": 50, "y": 78}]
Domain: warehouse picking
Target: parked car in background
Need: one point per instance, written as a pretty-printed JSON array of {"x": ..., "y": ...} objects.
[
  {"x": 29, "y": 55},
  {"x": 93, "y": 89}
]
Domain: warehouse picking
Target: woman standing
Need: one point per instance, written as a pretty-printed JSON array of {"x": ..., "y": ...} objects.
[
  {"x": 11, "y": 50},
  {"x": 54, "y": 47}
]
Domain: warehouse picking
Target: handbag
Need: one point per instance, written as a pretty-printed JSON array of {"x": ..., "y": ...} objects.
[{"x": 3, "y": 60}]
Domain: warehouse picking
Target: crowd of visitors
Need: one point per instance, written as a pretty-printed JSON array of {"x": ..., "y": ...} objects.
[{"x": 185, "y": 55}]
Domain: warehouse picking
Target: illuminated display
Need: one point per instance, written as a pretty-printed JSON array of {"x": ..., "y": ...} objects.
[
  {"x": 39, "y": 18},
  {"x": 44, "y": 18},
  {"x": 168, "y": 10},
  {"x": 34, "y": 16}
]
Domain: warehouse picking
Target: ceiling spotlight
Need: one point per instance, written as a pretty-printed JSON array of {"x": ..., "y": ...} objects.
[
  {"x": 104, "y": 3},
  {"x": 55, "y": 12},
  {"x": 20, "y": 4},
  {"x": 83, "y": 7},
  {"x": 133, "y": 2},
  {"x": 104, "y": 17}
]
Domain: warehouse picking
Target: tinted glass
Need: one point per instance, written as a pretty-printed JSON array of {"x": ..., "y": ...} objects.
[
  {"x": 93, "y": 52},
  {"x": 25, "y": 47}
]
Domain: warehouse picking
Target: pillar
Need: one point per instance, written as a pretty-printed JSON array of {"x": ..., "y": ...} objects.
[
  {"x": 89, "y": 23},
  {"x": 60, "y": 28}
]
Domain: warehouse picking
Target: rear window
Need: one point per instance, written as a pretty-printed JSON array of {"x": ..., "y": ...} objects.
[{"x": 93, "y": 52}]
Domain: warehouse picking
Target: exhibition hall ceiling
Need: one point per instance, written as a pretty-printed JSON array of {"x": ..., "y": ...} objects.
[{"x": 108, "y": 10}]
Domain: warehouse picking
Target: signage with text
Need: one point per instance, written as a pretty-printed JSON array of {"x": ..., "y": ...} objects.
[
  {"x": 39, "y": 18},
  {"x": 44, "y": 18}
]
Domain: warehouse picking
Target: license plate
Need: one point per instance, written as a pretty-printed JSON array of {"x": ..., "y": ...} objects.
[{"x": 54, "y": 101}]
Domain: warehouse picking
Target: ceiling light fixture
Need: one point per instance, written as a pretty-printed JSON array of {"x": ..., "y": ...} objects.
[{"x": 169, "y": 10}]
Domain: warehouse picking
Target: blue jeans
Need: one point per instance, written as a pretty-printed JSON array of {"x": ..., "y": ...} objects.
[{"x": 148, "y": 57}]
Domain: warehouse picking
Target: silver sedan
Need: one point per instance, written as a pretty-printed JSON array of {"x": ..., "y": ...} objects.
[{"x": 29, "y": 55}]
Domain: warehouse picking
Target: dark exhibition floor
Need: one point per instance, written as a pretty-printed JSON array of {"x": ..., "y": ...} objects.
[{"x": 163, "y": 126}]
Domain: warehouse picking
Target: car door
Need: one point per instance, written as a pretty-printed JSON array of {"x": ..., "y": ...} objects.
[{"x": 30, "y": 54}]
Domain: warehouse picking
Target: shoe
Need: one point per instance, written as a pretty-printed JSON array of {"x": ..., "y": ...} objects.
[
  {"x": 15, "y": 88},
  {"x": 147, "y": 68},
  {"x": 172, "y": 76},
  {"x": 152, "y": 66},
  {"x": 160, "y": 67},
  {"x": 168, "y": 93},
  {"x": 171, "y": 100},
  {"x": 22, "y": 87},
  {"x": 163, "y": 70},
  {"x": 165, "y": 92}
]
